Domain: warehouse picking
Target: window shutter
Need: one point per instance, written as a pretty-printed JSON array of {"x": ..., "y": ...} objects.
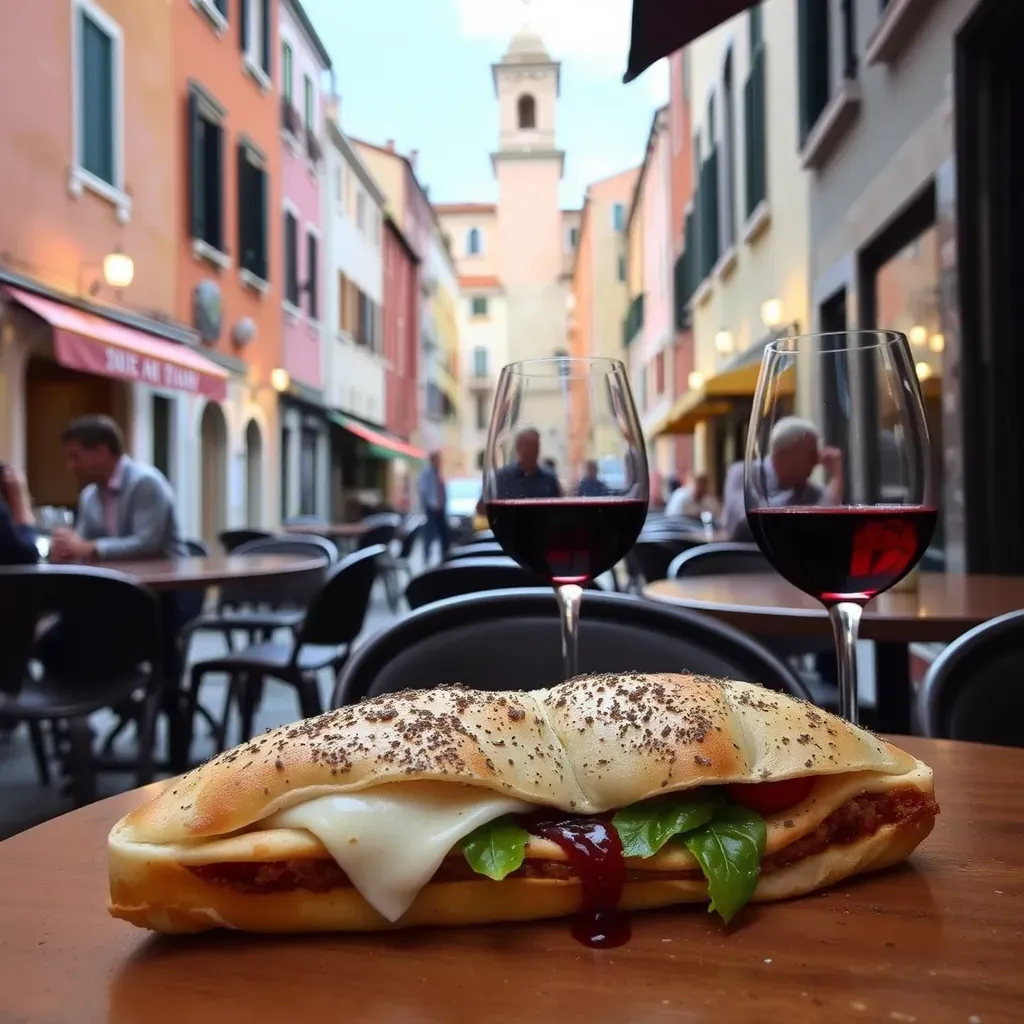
[
  {"x": 244, "y": 208},
  {"x": 313, "y": 276},
  {"x": 243, "y": 24},
  {"x": 222, "y": 6},
  {"x": 195, "y": 163},
  {"x": 262, "y": 207},
  {"x": 215, "y": 182},
  {"x": 267, "y": 37}
]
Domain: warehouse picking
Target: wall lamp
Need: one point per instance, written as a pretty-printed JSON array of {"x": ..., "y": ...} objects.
[{"x": 118, "y": 272}]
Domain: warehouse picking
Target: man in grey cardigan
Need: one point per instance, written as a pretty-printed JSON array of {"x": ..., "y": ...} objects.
[{"x": 126, "y": 512}]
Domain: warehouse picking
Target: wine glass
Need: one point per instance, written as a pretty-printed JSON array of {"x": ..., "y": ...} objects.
[
  {"x": 565, "y": 484},
  {"x": 845, "y": 408}
]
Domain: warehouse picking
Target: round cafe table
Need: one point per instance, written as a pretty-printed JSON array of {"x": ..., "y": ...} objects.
[
  {"x": 945, "y": 606},
  {"x": 214, "y": 570},
  {"x": 937, "y": 939}
]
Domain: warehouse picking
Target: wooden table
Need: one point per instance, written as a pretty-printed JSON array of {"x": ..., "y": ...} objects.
[
  {"x": 333, "y": 531},
  {"x": 945, "y": 606},
  {"x": 937, "y": 940},
  {"x": 214, "y": 570}
]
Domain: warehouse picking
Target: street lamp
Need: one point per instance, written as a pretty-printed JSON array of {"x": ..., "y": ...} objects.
[
  {"x": 118, "y": 269},
  {"x": 280, "y": 379},
  {"x": 695, "y": 381},
  {"x": 918, "y": 335},
  {"x": 937, "y": 343},
  {"x": 724, "y": 341},
  {"x": 923, "y": 370}
]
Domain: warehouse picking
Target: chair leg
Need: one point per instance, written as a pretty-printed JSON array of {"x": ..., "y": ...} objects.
[
  {"x": 38, "y": 741},
  {"x": 309, "y": 695},
  {"x": 81, "y": 762},
  {"x": 252, "y": 694},
  {"x": 147, "y": 738}
]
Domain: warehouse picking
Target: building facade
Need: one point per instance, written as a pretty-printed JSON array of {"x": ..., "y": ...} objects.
[
  {"x": 89, "y": 238},
  {"x": 354, "y": 364},
  {"x": 744, "y": 266},
  {"x": 226, "y": 132},
  {"x": 305, "y": 441}
]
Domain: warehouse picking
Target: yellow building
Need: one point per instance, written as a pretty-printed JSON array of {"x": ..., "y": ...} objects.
[
  {"x": 446, "y": 300},
  {"x": 747, "y": 233}
]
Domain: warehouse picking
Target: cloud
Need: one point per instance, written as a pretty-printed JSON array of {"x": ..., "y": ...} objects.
[{"x": 594, "y": 33}]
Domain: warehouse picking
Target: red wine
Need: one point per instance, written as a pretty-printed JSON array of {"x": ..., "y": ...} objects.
[
  {"x": 846, "y": 553},
  {"x": 567, "y": 540}
]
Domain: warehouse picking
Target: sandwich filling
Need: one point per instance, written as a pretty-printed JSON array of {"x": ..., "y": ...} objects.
[{"x": 388, "y": 842}]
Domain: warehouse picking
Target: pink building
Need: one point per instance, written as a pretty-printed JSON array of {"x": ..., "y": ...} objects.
[{"x": 305, "y": 466}]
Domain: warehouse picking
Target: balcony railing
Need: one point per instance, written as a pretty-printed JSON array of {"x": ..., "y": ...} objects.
[
  {"x": 291, "y": 120},
  {"x": 313, "y": 150},
  {"x": 634, "y": 321}
]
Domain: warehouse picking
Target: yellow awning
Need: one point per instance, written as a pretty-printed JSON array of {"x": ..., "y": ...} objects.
[{"x": 717, "y": 397}]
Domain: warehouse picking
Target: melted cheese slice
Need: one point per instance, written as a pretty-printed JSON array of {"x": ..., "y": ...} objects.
[{"x": 390, "y": 840}]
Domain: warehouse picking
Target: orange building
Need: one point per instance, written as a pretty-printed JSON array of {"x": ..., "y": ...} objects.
[
  {"x": 226, "y": 116},
  {"x": 88, "y": 240}
]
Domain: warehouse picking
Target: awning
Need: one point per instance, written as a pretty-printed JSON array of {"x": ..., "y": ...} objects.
[
  {"x": 661, "y": 27},
  {"x": 382, "y": 445},
  {"x": 93, "y": 344}
]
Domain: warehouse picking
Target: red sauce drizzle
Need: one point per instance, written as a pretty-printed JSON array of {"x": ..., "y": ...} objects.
[{"x": 595, "y": 852}]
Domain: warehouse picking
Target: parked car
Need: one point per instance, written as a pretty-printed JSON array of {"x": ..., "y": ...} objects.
[{"x": 464, "y": 493}]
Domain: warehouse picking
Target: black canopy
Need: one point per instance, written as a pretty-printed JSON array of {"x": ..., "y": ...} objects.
[{"x": 661, "y": 27}]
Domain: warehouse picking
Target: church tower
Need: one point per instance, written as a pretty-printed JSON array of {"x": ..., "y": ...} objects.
[{"x": 528, "y": 166}]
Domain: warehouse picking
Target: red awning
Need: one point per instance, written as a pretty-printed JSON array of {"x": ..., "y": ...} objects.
[
  {"x": 376, "y": 438},
  {"x": 93, "y": 344}
]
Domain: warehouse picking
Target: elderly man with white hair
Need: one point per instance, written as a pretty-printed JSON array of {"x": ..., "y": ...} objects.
[{"x": 794, "y": 450}]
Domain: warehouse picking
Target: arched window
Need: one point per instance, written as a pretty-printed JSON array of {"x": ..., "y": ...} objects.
[
  {"x": 527, "y": 112},
  {"x": 473, "y": 242}
]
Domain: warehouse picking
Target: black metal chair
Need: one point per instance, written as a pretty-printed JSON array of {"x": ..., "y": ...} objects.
[
  {"x": 651, "y": 556},
  {"x": 471, "y": 576},
  {"x": 720, "y": 558},
  {"x": 511, "y": 640},
  {"x": 304, "y": 520},
  {"x": 259, "y": 607},
  {"x": 481, "y": 535},
  {"x": 231, "y": 540},
  {"x": 375, "y": 519},
  {"x": 102, "y": 652},
  {"x": 972, "y": 690},
  {"x": 197, "y": 549},
  {"x": 482, "y": 549},
  {"x": 333, "y": 621},
  {"x": 395, "y": 568}
]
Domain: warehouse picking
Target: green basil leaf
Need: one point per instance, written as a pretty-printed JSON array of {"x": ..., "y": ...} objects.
[
  {"x": 646, "y": 827},
  {"x": 729, "y": 850},
  {"x": 496, "y": 849}
]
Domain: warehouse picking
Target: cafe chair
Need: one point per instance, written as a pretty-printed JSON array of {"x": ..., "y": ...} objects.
[
  {"x": 512, "y": 640},
  {"x": 375, "y": 519},
  {"x": 470, "y": 576},
  {"x": 304, "y": 520},
  {"x": 259, "y": 607},
  {"x": 383, "y": 528},
  {"x": 395, "y": 567},
  {"x": 231, "y": 540},
  {"x": 108, "y": 656},
  {"x": 333, "y": 621},
  {"x": 196, "y": 548},
  {"x": 481, "y": 535},
  {"x": 651, "y": 556},
  {"x": 735, "y": 558},
  {"x": 482, "y": 549},
  {"x": 972, "y": 690},
  {"x": 719, "y": 558}
]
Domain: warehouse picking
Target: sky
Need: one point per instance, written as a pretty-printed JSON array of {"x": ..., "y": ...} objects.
[{"x": 419, "y": 72}]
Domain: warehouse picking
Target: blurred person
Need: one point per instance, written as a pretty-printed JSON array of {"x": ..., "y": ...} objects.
[
  {"x": 794, "y": 450},
  {"x": 592, "y": 486},
  {"x": 550, "y": 465},
  {"x": 17, "y": 523},
  {"x": 694, "y": 499},
  {"x": 527, "y": 477},
  {"x": 126, "y": 511},
  {"x": 433, "y": 494}
]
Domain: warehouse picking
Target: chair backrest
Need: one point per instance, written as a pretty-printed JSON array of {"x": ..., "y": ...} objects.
[
  {"x": 197, "y": 548},
  {"x": 511, "y": 640},
  {"x": 380, "y": 533},
  {"x": 409, "y": 533},
  {"x": 232, "y": 539},
  {"x": 281, "y": 591},
  {"x": 481, "y": 535},
  {"x": 337, "y": 612},
  {"x": 110, "y": 623},
  {"x": 304, "y": 520},
  {"x": 973, "y": 689},
  {"x": 376, "y": 519},
  {"x": 721, "y": 558},
  {"x": 471, "y": 576},
  {"x": 484, "y": 549},
  {"x": 653, "y": 556}
]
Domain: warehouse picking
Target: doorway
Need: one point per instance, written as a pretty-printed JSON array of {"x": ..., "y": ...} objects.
[
  {"x": 989, "y": 91},
  {"x": 213, "y": 435},
  {"x": 253, "y": 475}
]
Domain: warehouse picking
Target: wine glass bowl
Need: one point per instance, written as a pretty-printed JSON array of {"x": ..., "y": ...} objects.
[
  {"x": 838, "y": 474},
  {"x": 565, "y": 484}
]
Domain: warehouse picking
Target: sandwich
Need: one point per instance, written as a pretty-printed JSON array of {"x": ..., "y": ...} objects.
[{"x": 450, "y": 806}]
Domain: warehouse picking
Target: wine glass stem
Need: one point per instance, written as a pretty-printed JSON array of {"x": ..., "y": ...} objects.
[
  {"x": 845, "y": 618},
  {"x": 569, "y": 597}
]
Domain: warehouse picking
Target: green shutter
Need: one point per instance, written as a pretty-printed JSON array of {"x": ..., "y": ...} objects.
[
  {"x": 96, "y": 97},
  {"x": 196, "y": 191},
  {"x": 755, "y": 117}
]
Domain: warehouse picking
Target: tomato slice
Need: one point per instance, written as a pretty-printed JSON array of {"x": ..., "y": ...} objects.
[{"x": 771, "y": 797}]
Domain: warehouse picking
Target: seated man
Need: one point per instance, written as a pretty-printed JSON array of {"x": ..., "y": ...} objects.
[
  {"x": 527, "y": 477},
  {"x": 17, "y": 524},
  {"x": 126, "y": 511}
]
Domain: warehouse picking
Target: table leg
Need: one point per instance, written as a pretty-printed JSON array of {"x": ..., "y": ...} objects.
[{"x": 892, "y": 688}]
